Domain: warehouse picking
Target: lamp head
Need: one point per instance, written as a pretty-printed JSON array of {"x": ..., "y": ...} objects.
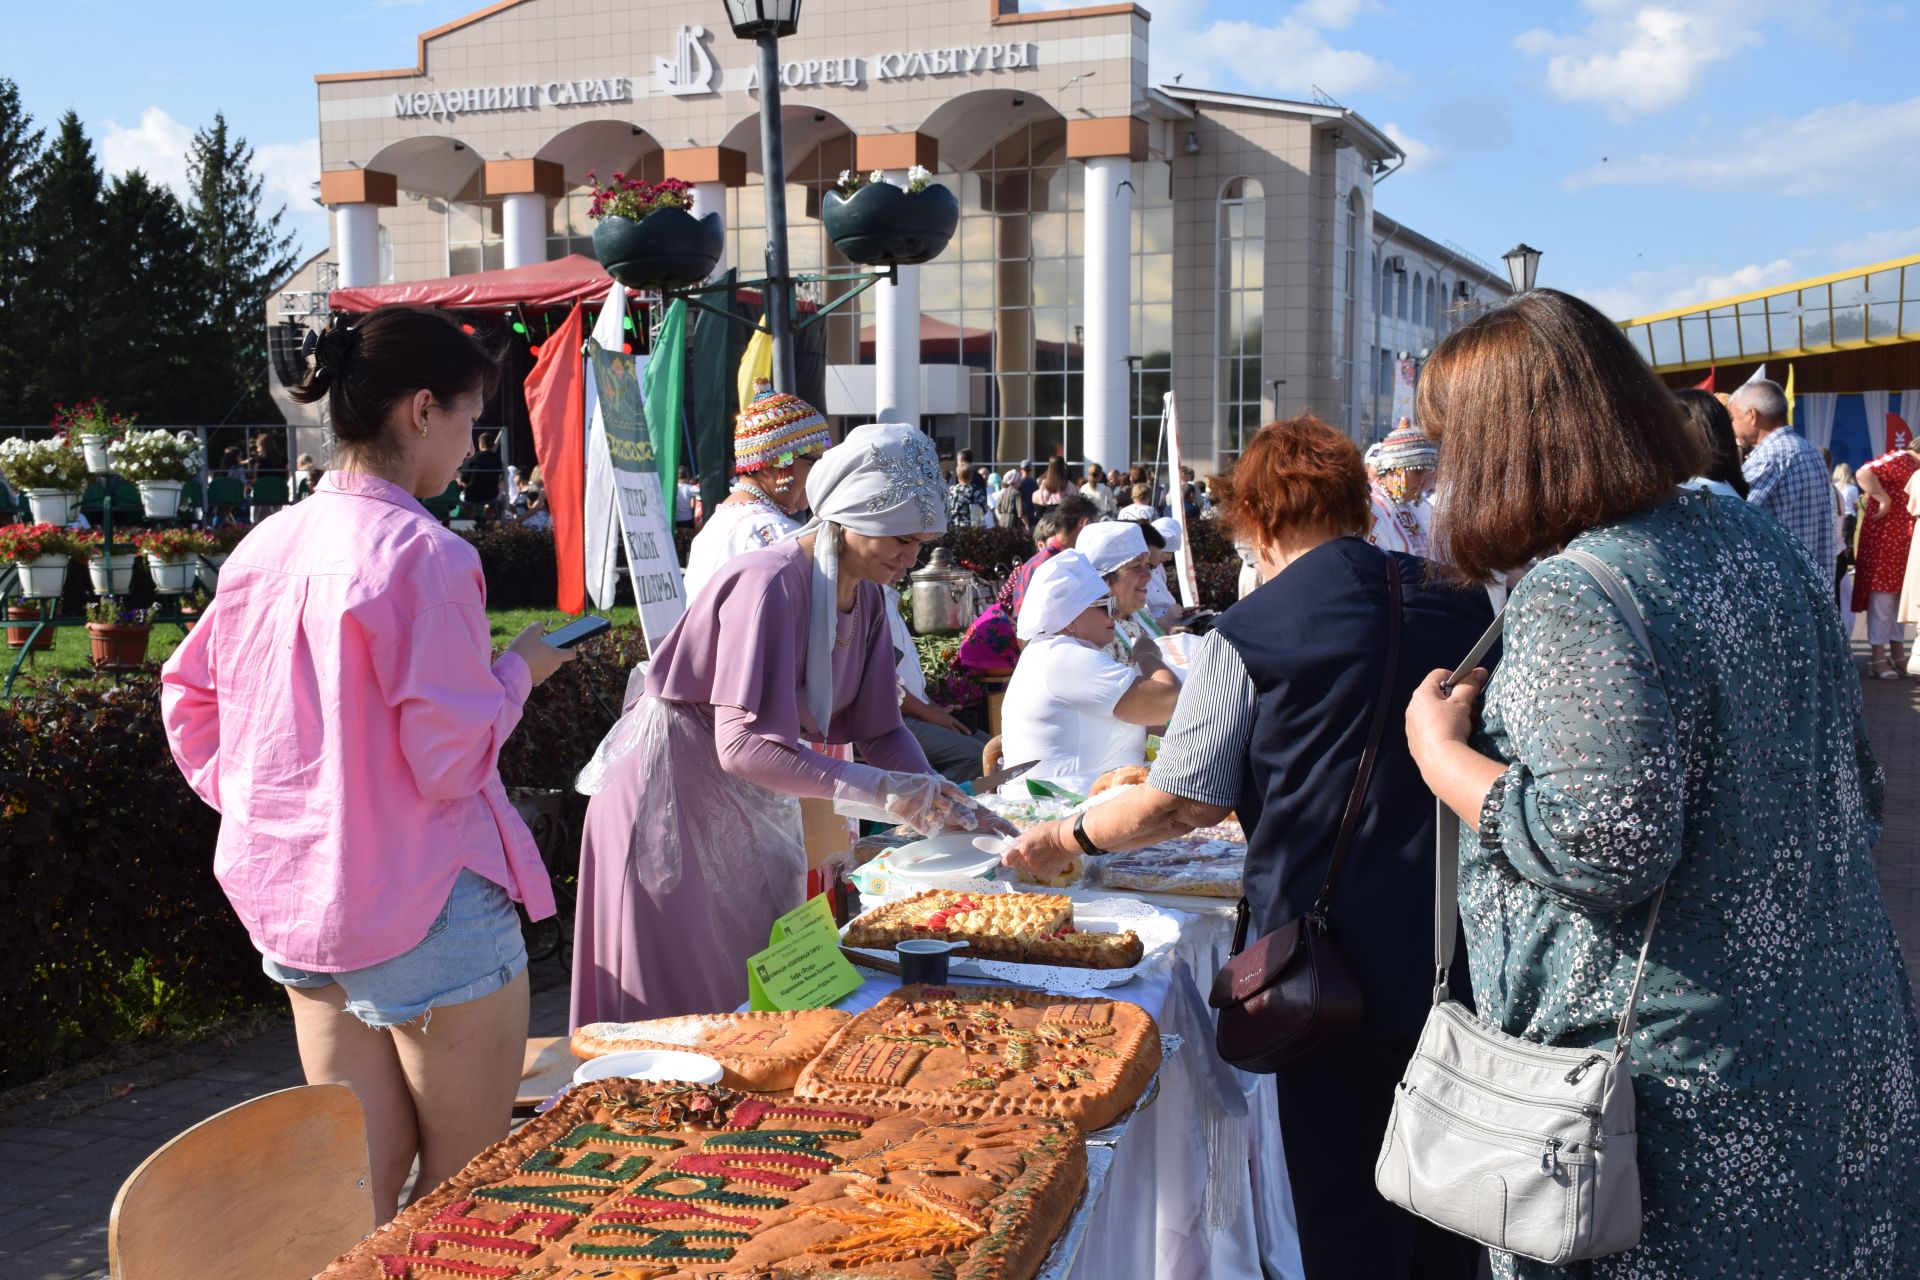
[
  {"x": 1523, "y": 261},
  {"x": 752, "y": 19}
]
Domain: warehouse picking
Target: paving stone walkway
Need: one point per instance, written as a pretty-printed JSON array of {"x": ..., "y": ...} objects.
[{"x": 58, "y": 1178}]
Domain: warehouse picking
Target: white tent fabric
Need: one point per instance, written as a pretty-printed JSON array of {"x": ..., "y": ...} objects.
[
  {"x": 1816, "y": 417},
  {"x": 1877, "y": 403}
]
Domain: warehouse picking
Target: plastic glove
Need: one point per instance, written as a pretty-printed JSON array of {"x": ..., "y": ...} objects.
[{"x": 922, "y": 801}]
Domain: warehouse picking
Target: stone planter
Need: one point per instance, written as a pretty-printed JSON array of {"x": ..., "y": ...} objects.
[
  {"x": 173, "y": 577},
  {"x": 160, "y": 499},
  {"x": 117, "y": 648},
  {"x": 112, "y": 575},
  {"x": 17, "y": 636},
  {"x": 210, "y": 569},
  {"x": 52, "y": 506},
  {"x": 43, "y": 579},
  {"x": 669, "y": 248},
  {"x": 881, "y": 225},
  {"x": 95, "y": 449}
]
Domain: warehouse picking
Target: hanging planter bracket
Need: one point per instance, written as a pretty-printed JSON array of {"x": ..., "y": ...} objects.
[{"x": 861, "y": 281}]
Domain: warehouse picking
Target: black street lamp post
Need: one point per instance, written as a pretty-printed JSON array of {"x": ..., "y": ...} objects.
[{"x": 764, "y": 22}]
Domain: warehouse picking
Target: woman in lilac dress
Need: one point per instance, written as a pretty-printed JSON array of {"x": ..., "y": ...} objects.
[{"x": 692, "y": 845}]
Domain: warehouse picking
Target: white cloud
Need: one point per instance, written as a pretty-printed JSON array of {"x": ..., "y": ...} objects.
[
  {"x": 1420, "y": 155},
  {"x": 1850, "y": 151},
  {"x": 1645, "y": 292},
  {"x": 1864, "y": 249},
  {"x": 1634, "y": 59},
  {"x": 157, "y": 146}
]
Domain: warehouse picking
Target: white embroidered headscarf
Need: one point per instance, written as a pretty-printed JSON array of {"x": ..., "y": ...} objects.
[{"x": 882, "y": 481}]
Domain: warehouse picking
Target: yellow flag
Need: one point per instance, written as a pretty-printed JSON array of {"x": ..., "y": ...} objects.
[
  {"x": 756, "y": 362},
  {"x": 1789, "y": 395}
]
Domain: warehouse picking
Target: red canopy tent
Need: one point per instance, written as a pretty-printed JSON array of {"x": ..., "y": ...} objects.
[{"x": 560, "y": 283}]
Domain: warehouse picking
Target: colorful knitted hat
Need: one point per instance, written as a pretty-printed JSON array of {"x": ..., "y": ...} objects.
[
  {"x": 776, "y": 428},
  {"x": 1407, "y": 448}
]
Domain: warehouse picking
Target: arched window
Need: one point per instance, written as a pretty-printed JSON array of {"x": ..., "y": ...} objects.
[
  {"x": 1383, "y": 300},
  {"x": 386, "y": 255},
  {"x": 1241, "y": 286},
  {"x": 1400, "y": 293},
  {"x": 1419, "y": 298},
  {"x": 1433, "y": 303}
]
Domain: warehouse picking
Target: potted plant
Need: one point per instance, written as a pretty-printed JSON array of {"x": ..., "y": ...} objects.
[
  {"x": 160, "y": 463},
  {"x": 49, "y": 471},
  {"x": 117, "y": 634},
  {"x": 875, "y": 223},
  {"x": 646, "y": 235},
  {"x": 21, "y": 611},
  {"x": 96, "y": 428},
  {"x": 41, "y": 553},
  {"x": 112, "y": 574},
  {"x": 173, "y": 557},
  {"x": 225, "y": 537},
  {"x": 192, "y": 605}
]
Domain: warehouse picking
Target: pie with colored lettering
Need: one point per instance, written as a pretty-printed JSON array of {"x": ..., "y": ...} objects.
[
  {"x": 1030, "y": 928},
  {"x": 991, "y": 1051},
  {"x": 761, "y": 1052},
  {"x": 638, "y": 1181}
]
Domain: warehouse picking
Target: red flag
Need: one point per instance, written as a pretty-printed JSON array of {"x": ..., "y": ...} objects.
[
  {"x": 556, "y": 408},
  {"x": 1898, "y": 434},
  {"x": 1706, "y": 383}
]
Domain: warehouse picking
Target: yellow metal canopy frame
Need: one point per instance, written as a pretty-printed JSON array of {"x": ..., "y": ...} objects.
[{"x": 1846, "y": 311}]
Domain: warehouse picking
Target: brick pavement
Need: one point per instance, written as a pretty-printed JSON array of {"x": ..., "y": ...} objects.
[{"x": 58, "y": 1178}]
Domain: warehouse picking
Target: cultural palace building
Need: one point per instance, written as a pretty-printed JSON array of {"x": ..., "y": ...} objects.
[{"x": 1118, "y": 238}]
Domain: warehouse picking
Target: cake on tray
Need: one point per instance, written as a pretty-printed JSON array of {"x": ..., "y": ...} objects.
[
  {"x": 626, "y": 1180},
  {"x": 991, "y": 1051},
  {"x": 1028, "y": 928},
  {"x": 761, "y": 1052}
]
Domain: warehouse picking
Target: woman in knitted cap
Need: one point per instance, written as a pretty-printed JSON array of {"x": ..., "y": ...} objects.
[
  {"x": 1402, "y": 514},
  {"x": 776, "y": 440},
  {"x": 693, "y": 841}
]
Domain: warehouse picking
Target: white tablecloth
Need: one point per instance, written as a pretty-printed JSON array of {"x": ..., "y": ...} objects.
[{"x": 1212, "y": 1130}]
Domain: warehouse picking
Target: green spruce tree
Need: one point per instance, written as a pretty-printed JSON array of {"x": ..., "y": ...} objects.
[
  {"x": 243, "y": 254},
  {"x": 159, "y": 320},
  {"x": 63, "y": 332},
  {"x": 20, "y": 147}
]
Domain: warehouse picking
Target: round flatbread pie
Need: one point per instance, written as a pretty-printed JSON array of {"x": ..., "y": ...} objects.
[{"x": 761, "y": 1052}]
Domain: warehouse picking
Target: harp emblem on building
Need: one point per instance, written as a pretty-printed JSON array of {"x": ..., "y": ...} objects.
[{"x": 690, "y": 69}]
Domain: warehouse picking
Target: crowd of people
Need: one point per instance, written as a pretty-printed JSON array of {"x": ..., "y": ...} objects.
[{"x": 344, "y": 712}]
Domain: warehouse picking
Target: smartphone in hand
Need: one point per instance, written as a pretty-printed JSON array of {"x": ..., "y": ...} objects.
[{"x": 579, "y": 629}]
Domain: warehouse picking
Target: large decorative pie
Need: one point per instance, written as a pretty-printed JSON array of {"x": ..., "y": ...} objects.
[
  {"x": 762, "y": 1052},
  {"x": 635, "y": 1181},
  {"x": 991, "y": 1051},
  {"x": 1031, "y": 928}
]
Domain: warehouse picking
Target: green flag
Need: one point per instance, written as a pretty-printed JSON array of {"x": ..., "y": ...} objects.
[{"x": 662, "y": 386}]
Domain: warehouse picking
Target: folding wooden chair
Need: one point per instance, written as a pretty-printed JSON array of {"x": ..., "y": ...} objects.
[{"x": 272, "y": 1189}]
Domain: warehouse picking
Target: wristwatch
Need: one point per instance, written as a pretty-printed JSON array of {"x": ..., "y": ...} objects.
[{"x": 1087, "y": 846}]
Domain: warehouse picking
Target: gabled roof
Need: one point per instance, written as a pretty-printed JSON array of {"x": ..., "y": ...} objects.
[{"x": 1347, "y": 118}]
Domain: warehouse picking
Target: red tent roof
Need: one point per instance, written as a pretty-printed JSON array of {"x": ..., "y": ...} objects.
[{"x": 562, "y": 282}]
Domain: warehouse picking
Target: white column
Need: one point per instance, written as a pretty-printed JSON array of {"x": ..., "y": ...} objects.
[
  {"x": 711, "y": 197},
  {"x": 896, "y": 341},
  {"x": 524, "y": 227},
  {"x": 1109, "y": 299},
  {"x": 356, "y": 237}
]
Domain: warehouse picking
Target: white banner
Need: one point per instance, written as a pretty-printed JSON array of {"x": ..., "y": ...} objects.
[
  {"x": 646, "y": 524},
  {"x": 1176, "y": 500},
  {"x": 603, "y": 530}
]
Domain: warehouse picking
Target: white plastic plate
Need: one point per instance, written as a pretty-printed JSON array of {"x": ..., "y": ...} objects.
[{"x": 651, "y": 1064}]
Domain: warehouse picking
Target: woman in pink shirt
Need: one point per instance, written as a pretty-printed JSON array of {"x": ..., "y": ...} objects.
[{"x": 339, "y": 705}]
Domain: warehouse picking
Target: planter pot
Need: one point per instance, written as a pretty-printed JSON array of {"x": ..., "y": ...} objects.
[
  {"x": 117, "y": 648},
  {"x": 880, "y": 224},
  {"x": 17, "y": 636},
  {"x": 210, "y": 569},
  {"x": 43, "y": 579},
  {"x": 95, "y": 449},
  {"x": 52, "y": 506},
  {"x": 119, "y": 581},
  {"x": 669, "y": 248},
  {"x": 160, "y": 499},
  {"x": 172, "y": 577}
]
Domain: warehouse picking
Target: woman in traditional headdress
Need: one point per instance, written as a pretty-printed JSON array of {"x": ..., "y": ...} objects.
[
  {"x": 1403, "y": 473},
  {"x": 776, "y": 440},
  {"x": 693, "y": 841}
]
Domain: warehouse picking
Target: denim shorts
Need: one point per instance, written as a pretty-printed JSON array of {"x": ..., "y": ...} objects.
[{"x": 472, "y": 949}]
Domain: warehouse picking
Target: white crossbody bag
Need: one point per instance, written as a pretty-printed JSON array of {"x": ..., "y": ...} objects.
[{"x": 1527, "y": 1148}]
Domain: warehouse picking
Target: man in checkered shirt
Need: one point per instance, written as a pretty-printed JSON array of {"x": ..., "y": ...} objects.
[{"x": 1786, "y": 476}]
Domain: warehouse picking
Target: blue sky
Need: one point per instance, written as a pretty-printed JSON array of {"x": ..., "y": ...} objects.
[{"x": 1658, "y": 152}]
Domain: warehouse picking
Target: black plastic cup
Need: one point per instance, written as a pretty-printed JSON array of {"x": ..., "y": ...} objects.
[{"x": 922, "y": 961}]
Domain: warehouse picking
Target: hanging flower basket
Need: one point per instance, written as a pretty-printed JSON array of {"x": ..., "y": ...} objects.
[
  {"x": 43, "y": 578},
  {"x": 112, "y": 575},
  {"x": 160, "y": 499},
  {"x": 52, "y": 506},
  {"x": 118, "y": 648},
  {"x": 210, "y": 569},
  {"x": 667, "y": 249},
  {"x": 95, "y": 449},
  {"x": 881, "y": 224},
  {"x": 172, "y": 577},
  {"x": 17, "y": 636},
  {"x": 173, "y": 557}
]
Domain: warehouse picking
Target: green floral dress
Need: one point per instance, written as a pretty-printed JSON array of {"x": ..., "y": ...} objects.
[{"x": 1776, "y": 1061}]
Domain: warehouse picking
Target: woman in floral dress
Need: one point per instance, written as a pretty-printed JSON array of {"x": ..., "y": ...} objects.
[
  {"x": 1880, "y": 563},
  {"x": 1777, "y": 1055}
]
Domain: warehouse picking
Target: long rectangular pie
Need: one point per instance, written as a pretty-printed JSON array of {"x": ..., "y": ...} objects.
[
  {"x": 679, "y": 1182},
  {"x": 761, "y": 1052},
  {"x": 1030, "y": 928},
  {"x": 991, "y": 1051}
]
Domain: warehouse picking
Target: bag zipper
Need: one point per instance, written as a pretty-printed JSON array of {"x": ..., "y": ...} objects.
[
  {"x": 1498, "y": 1041},
  {"x": 1587, "y": 1109},
  {"x": 1532, "y": 1144}
]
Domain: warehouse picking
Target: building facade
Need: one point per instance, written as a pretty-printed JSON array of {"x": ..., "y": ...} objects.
[{"x": 1118, "y": 240}]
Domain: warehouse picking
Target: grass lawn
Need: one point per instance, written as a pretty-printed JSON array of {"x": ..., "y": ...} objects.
[{"x": 69, "y": 657}]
